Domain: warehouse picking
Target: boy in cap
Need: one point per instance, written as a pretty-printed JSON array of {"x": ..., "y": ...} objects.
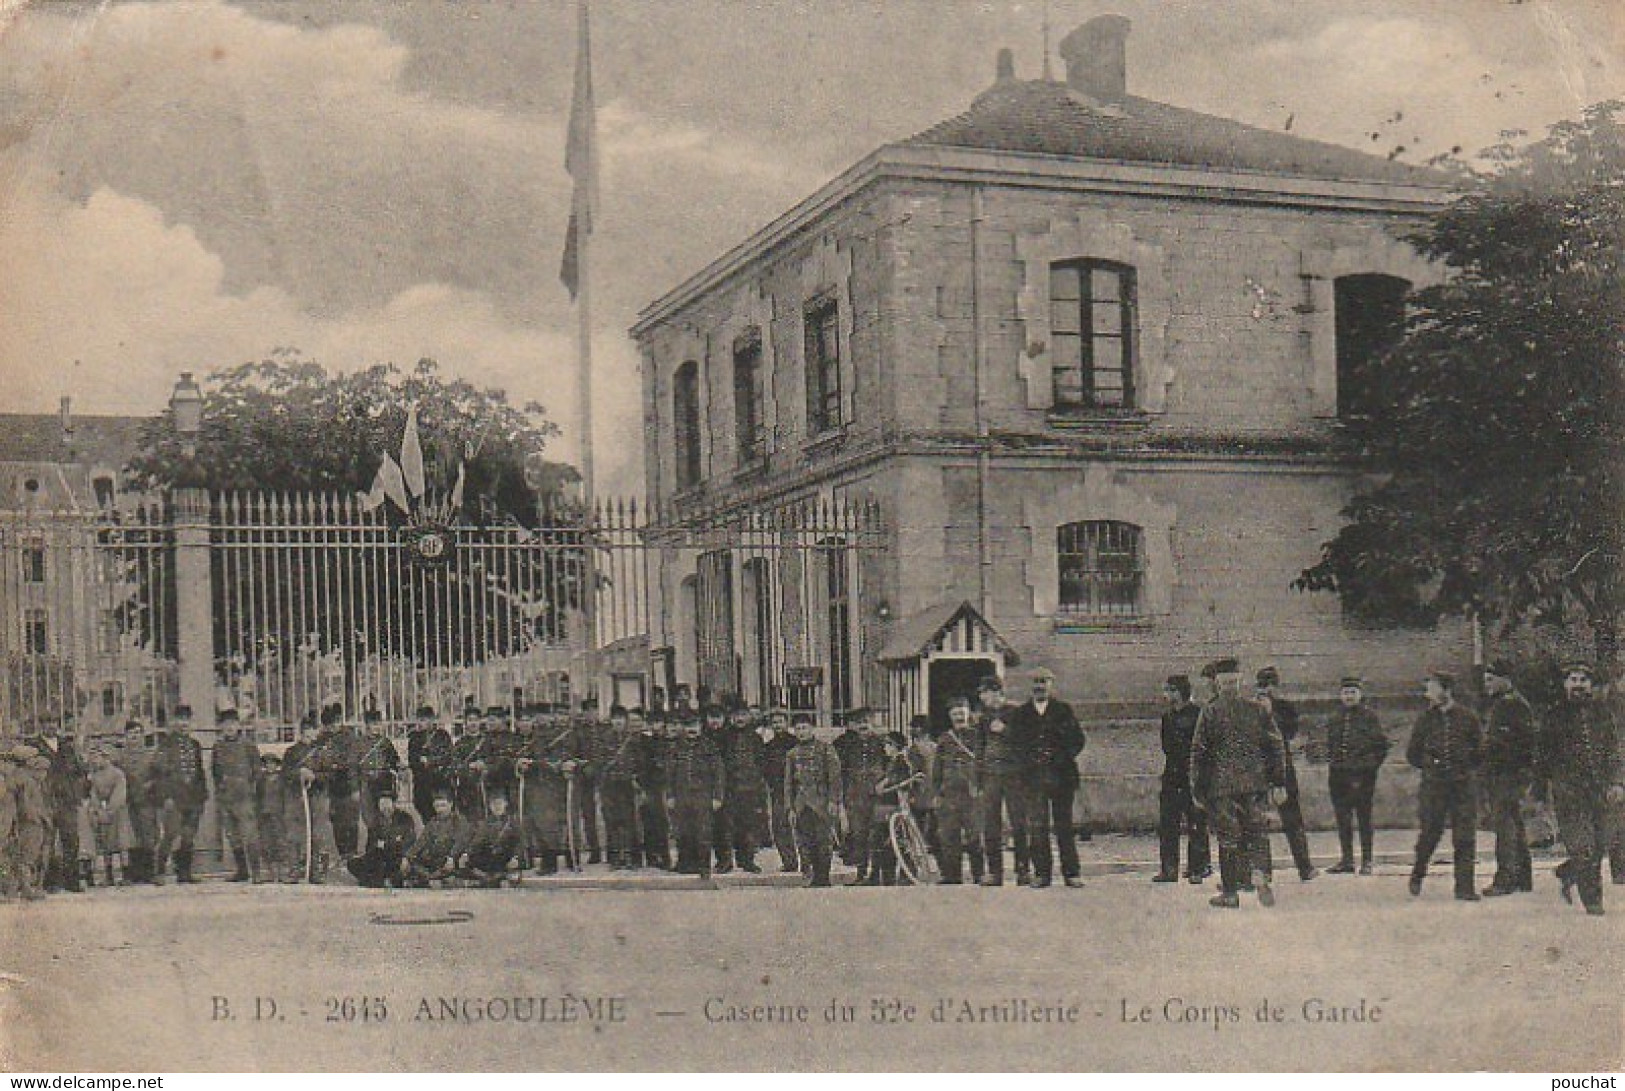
[
  {"x": 434, "y": 855},
  {"x": 382, "y": 861},
  {"x": 1509, "y": 755},
  {"x": 1446, "y": 745},
  {"x": 1582, "y": 754},
  {"x": 492, "y": 847},
  {"x": 1355, "y": 749}
]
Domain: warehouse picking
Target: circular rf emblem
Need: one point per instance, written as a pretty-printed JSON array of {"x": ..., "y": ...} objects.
[{"x": 431, "y": 545}]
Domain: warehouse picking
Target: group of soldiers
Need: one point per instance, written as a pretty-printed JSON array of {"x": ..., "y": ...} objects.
[
  {"x": 546, "y": 789},
  {"x": 1228, "y": 762}
]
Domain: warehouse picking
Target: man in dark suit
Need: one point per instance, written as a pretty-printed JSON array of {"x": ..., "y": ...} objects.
[
  {"x": 67, "y": 785},
  {"x": 1046, "y": 734},
  {"x": 1176, "y": 811}
]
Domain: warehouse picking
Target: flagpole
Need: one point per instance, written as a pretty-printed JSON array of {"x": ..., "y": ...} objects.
[{"x": 583, "y": 141}]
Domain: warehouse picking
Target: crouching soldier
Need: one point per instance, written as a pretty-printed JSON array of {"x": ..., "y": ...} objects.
[
  {"x": 812, "y": 787},
  {"x": 492, "y": 849},
  {"x": 433, "y": 856},
  {"x": 389, "y": 835}
]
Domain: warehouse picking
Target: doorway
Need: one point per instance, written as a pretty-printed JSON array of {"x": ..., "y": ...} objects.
[{"x": 955, "y": 677}]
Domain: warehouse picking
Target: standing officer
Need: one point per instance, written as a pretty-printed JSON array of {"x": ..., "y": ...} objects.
[
  {"x": 1355, "y": 749},
  {"x": 67, "y": 786},
  {"x": 812, "y": 786},
  {"x": 428, "y": 746},
  {"x": 378, "y": 767},
  {"x": 1176, "y": 811},
  {"x": 181, "y": 790},
  {"x": 654, "y": 753},
  {"x": 136, "y": 759},
  {"x": 1447, "y": 744},
  {"x": 955, "y": 787},
  {"x": 1285, "y": 716},
  {"x": 1581, "y": 753},
  {"x": 715, "y": 731},
  {"x": 268, "y": 803},
  {"x": 304, "y": 806},
  {"x": 746, "y": 789},
  {"x": 337, "y": 764},
  {"x": 777, "y": 743},
  {"x": 590, "y": 744},
  {"x": 1000, "y": 770},
  {"x": 236, "y": 767},
  {"x": 863, "y": 766},
  {"x": 465, "y": 767},
  {"x": 1509, "y": 757},
  {"x": 1237, "y": 767},
  {"x": 618, "y": 787},
  {"x": 548, "y": 764},
  {"x": 694, "y": 776},
  {"x": 1048, "y": 736}
]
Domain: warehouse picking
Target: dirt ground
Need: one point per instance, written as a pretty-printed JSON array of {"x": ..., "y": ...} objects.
[{"x": 1346, "y": 973}]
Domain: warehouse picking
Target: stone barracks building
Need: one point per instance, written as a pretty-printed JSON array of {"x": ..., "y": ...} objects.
[{"x": 1094, "y": 356}]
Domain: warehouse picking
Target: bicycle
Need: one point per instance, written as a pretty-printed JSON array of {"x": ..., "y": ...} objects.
[{"x": 914, "y": 859}]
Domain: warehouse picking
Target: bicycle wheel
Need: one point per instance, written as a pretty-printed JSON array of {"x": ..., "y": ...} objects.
[{"x": 913, "y": 857}]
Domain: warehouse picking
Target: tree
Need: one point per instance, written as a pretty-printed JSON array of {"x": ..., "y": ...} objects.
[
  {"x": 1500, "y": 462},
  {"x": 285, "y": 443}
]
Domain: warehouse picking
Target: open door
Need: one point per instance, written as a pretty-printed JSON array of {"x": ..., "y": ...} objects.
[{"x": 955, "y": 677}]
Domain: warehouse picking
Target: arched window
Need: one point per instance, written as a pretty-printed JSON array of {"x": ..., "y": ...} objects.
[
  {"x": 686, "y": 423},
  {"x": 1101, "y": 568},
  {"x": 1370, "y": 316},
  {"x": 1092, "y": 324}
]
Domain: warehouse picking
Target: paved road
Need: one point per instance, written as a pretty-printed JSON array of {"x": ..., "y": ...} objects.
[{"x": 1119, "y": 975}]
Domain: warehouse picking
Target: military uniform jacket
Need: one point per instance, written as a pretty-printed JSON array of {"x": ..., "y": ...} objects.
[
  {"x": 295, "y": 758},
  {"x": 1355, "y": 741},
  {"x": 1236, "y": 750},
  {"x": 501, "y": 754},
  {"x": 812, "y": 777},
  {"x": 236, "y": 765},
  {"x": 653, "y": 752},
  {"x": 66, "y": 785},
  {"x": 391, "y": 838},
  {"x": 494, "y": 840},
  {"x": 379, "y": 760},
  {"x": 773, "y": 755},
  {"x": 336, "y": 760},
  {"x": 742, "y": 762},
  {"x": 427, "y": 749},
  {"x": 864, "y": 764},
  {"x": 1581, "y": 747},
  {"x": 137, "y": 766},
  {"x": 464, "y": 753},
  {"x": 956, "y": 765},
  {"x": 694, "y": 770},
  {"x": 1509, "y": 735},
  {"x": 999, "y": 752},
  {"x": 1447, "y": 744},
  {"x": 1050, "y": 742},
  {"x": 549, "y": 748},
  {"x": 617, "y": 757},
  {"x": 444, "y": 838},
  {"x": 178, "y": 771},
  {"x": 1178, "y": 728}
]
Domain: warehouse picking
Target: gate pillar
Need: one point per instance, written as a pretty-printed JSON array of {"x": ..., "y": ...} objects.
[{"x": 194, "y": 605}]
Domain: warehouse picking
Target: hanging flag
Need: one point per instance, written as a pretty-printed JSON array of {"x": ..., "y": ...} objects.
[
  {"x": 374, "y": 498},
  {"x": 456, "y": 504},
  {"x": 580, "y": 157},
  {"x": 394, "y": 484},
  {"x": 412, "y": 455}
]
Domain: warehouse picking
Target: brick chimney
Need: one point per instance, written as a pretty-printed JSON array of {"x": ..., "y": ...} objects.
[{"x": 1096, "y": 58}]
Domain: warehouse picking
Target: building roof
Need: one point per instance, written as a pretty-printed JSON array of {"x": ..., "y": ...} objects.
[
  {"x": 94, "y": 440},
  {"x": 1048, "y": 117},
  {"x": 920, "y": 634}
]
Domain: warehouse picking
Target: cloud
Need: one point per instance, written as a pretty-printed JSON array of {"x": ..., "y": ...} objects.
[{"x": 108, "y": 302}]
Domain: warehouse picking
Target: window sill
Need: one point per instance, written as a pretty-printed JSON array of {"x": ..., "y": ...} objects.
[
  {"x": 828, "y": 440},
  {"x": 1097, "y": 418},
  {"x": 1101, "y": 623}
]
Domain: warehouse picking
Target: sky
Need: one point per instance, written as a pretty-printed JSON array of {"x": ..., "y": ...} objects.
[{"x": 190, "y": 184}]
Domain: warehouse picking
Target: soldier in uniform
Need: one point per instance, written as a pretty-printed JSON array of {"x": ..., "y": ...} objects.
[
  {"x": 1047, "y": 735},
  {"x": 863, "y": 766},
  {"x": 236, "y": 767},
  {"x": 1000, "y": 771},
  {"x": 465, "y": 766},
  {"x": 1237, "y": 767},
  {"x": 136, "y": 759},
  {"x": 379, "y": 766},
  {"x": 268, "y": 805},
  {"x": 898, "y": 777},
  {"x": 336, "y": 762},
  {"x": 433, "y": 856},
  {"x": 955, "y": 785},
  {"x": 695, "y": 778},
  {"x": 1446, "y": 745},
  {"x": 812, "y": 785},
  {"x": 1285, "y": 716},
  {"x": 66, "y": 787},
  {"x": 492, "y": 848},
  {"x": 745, "y": 788},
  {"x": 1176, "y": 810},
  {"x": 591, "y": 730},
  {"x": 617, "y": 766},
  {"x": 1509, "y": 755},
  {"x": 1581, "y": 752},
  {"x": 654, "y": 749},
  {"x": 777, "y": 742},
  {"x": 716, "y": 730},
  {"x": 304, "y": 806},
  {"x": 391, "y": 832},
  {"x": 181, "y": 789},
  {"x": 1355, "y": 749},
  {"x": 428, "y": 749},
  {"x": 549, "y": 762}
]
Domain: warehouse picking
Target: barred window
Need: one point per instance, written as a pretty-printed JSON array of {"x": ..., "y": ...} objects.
[
  {"x": 749, "y": 423},
  {"x": 1092, "y": 334},
  {"x": 686, "y": 422},
  {"x": 823, "y": 352},
  {"x": 1102, "y": 568}
]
